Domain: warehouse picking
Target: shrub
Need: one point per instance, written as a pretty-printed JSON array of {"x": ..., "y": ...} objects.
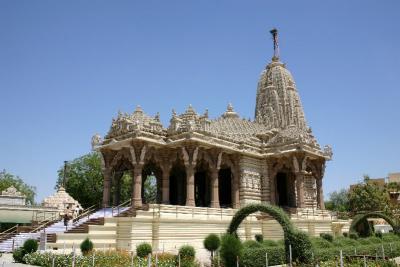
[
  {"x": 259, "y": 238},
  {"x": 374, "y": 240},
  {"x": 86, "y": 246},
  {"x": 364, "y": 241},
  {"x": 251, "y": 244},
  {"x": 187, "y": 253},
  {"x": 301, "y": 244},
  {"x": 270, "y": 243},
  {"x": 211, "y": 243},
  {"x": 256, "y": 257},
  {"x": 30, "y": 246},
  {"x": 378, "y": 234},
  {"x": 231, "y": 248},
  {"x": 319, "y": 242},
  {"x": 143, "y": 250},
  {"x": 345, "y": 242},
  {"x": 345, "y": 234},
  {"x": 19, "y": 254},
  {"x": 353, "y": 235},
  {"x": 390, "y": 237},
  {"x": 326, "y": 236}
]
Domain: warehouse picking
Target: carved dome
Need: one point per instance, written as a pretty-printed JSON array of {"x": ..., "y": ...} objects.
[
  {"x": 278, "y": 103},
  {"x": 230, "y": 125}
]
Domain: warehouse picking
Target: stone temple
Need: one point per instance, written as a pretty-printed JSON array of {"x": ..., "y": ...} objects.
[
  {"x": 225, "y": 162},
  {"x": 206, "y": 168}
]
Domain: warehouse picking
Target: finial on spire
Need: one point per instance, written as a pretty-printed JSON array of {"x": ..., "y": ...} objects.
[{"x": 274, "y": 33}]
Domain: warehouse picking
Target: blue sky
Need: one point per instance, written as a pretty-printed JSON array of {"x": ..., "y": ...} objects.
[{"x": 67, "y": 67}]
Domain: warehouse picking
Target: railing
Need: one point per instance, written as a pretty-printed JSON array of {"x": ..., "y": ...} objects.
[
  {"x": 85, "y": 213},
  {"x": 9, "y": 232},
  {"x": 123, "y": 204},
  {"x": 45, "y": 224},
  {"x": 43, "y": 215}
]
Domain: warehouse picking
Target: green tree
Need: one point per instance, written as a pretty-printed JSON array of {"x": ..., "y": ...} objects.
[
  {"x": 8, "y": 179},
  {"x": 150, "y": 189},
  {"x": 338, "y": 201},
  {"x": 84, "y": 180},
  {"x": 368, "y": 196}
]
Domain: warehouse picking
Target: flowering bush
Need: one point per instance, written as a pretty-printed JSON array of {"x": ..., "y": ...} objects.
[{"x": 101, "y": 259}]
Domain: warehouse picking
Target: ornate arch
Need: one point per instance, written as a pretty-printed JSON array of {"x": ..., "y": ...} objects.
[
  {"x": 299, "y": 241},
  {"x": 121, "y": 156}
]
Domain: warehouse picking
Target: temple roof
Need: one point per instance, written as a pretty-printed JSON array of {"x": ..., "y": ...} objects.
[
  {"x": 61, "y": 199},
  {"x": 137, "y": 121},
  {"x": 278, "y": 103},
  {"x": 279, "y": 119},
  {"x": 232, "y": 126}
]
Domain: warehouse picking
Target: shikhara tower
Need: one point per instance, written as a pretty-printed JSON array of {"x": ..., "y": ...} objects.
[{"x": 224, "y": 162}]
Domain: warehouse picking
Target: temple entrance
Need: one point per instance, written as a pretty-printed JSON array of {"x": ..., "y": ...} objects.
[
  {"x": 225, "y": 188},
  {"x": 282, "y": 189},
  {"x": 285, "y": 189},
  {"x": 177, "y": 185},
  {"x": 201, "y": 194}
]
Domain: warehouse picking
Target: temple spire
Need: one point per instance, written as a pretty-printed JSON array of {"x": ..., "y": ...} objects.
[{"x": 274, "y": 33}]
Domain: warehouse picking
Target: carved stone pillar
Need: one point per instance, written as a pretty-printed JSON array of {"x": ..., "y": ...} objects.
[
  {"x": 214, "y": 188},
  {"x": 190, "y": 186},
  {"x": 165, "y": 184},
  {"x": 272, "y": 187},
  {"x": 117, "y": 190},
  {"x": 235, "y": 190},
  {"x": 137, "y": 186},
  {"x": 106, "y": 188},
  {"x": 320, "y": 194},
  {"x": 300, "y": 189}
]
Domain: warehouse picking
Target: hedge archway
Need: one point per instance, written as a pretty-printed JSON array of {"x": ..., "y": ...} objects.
[
  {"x": 360, "y": 218},
  {"x": 300, "y": 242}
]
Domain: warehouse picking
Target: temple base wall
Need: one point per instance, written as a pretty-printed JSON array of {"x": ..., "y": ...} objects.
[{"x": 168, "y": 227}]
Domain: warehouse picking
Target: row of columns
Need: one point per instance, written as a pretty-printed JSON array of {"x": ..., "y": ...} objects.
[{"x": 190, "y": 187}]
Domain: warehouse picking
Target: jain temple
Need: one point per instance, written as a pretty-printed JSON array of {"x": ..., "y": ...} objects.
[{"x": 206, "y": 168}]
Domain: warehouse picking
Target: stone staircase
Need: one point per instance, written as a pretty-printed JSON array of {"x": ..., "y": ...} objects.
[
  {"x": 84, "y": 227},
  {"x": 53, "y": 229}
]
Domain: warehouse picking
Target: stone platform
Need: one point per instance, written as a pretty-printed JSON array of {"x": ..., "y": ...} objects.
[{"x": 168, "y": 227}]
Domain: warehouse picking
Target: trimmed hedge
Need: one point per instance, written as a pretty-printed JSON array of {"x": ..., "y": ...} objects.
[
  {"x": 231, "y": 248},
  {"x": 270, "y": 243},
  {"x": 299, "y": 241},
  {"x": 362, "y": 218},
  {"x": 252, "y": 244},
  {"x": 259, "y": 238},
  {"x": 30, "y": 246},
  {"x": 187, "y": 253},
  {"x": 212, "y": 243},
  {"x": 324, "y": 251},
  {"x": 326, "y": 236},
  {"x": 143, "y": 250},
  {"x": 255, "y": 257},
  {"x": 86, "y": 246}
]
